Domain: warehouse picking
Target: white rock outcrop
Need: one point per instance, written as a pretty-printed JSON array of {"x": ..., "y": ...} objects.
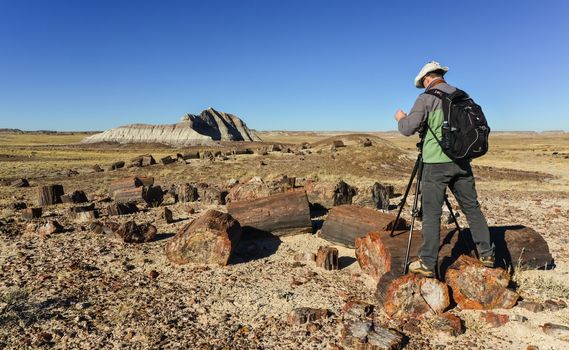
[{"x": 207, "y": 127}]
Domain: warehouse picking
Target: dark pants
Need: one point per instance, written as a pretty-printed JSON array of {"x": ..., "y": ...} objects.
[{"x": 458, "y": 177}]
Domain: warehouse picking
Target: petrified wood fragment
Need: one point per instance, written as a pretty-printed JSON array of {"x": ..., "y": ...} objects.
[
  {"x": 49, "y": 195},
  {"x": 327, "y": 258},
  {"x": 414, "y": 296}
]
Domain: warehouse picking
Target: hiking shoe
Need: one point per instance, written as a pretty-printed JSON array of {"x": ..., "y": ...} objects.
[
  {"x": 488, "y": 261},
  {"x": 419, "y": 268}
]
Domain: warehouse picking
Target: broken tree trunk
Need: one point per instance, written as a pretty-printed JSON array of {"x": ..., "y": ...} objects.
[
  {"x": 280, "y": 214},
  {"x": 345, "y": 223},
  {"x": 49, "y": 195}
]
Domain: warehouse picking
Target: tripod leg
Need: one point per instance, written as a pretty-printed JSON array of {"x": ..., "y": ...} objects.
[
  {"x": 404, "y": 199},
  {"x": 452, "y": 213},
  {"x": 414, "y": 215}
]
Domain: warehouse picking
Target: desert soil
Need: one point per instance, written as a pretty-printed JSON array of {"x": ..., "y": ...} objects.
[{"x": 80, "y": 290}]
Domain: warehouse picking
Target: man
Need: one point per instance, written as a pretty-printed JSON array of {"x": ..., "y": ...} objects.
[{"x": 440, "y": 172}]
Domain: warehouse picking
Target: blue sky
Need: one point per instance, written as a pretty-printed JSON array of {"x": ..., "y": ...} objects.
[{"x": 286, "y": 65}]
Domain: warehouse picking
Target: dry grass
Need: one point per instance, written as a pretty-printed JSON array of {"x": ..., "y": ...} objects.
[{"x": 541, "y": 284}]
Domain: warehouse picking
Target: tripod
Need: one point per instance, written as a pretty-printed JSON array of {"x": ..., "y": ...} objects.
[{"x": 418, "y": 172}]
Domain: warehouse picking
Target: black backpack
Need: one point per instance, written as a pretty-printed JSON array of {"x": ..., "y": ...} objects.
[{"x": 465, "y": 129}]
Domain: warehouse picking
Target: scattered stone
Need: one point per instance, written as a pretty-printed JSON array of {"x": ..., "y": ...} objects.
[
  {"x": 49, "y": 195},
  {"x": 210, "y": 239},
  {"x": 377, "y": 196},
  {"x": 167, "y": 215},
  {"x": 532, "y": 347},
  {"x": 554, "y": 305},
  {"x": 103, "y": 228},
  {"x": 18, "y": 206},
  {"x": 31, "y": 213},
  {"x": 448, "y": 324},
  {"x": 153, "y": 274},
  {"x": 117, "y": 165},
  {"x": 20, "y": 183},
  {"x": 130, "y": 232},
  {"x": 327, "y": 258},
  {"x": 477, "y": 287},
  {"x": 357, "y": 309},
  {"x": 414, "y": 296},
  {"x": 372, "y": 255},
  {"x": 518, "y": 318},
  {"x": 329, "y": 195},
  {"x": 143, "y": 161},
  {"x": 49, "y": 228},
  {"x": 369, "y": 335},
  {"x": 366, "y": 143},
  {"x": 338, "y": 144},
  {"x": 83, "y": 214},
  {"x": 531, "y": 306},
  {"x": 495, "y": 320},
  {"x": 167, "y": 160},
  {"x": 556, "y": 330},
  {"x": 304, "y": 315}
]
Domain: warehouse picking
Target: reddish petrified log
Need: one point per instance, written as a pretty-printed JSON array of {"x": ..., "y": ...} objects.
[
  {"x": 280, "y": 214},
  {"x": 327, "y": 258},
  {"x": 477, "y": 287},
  {"x": 210, "y": 239},
  {"x": 414, "y": 296},
  {"x": 372, "y": 255}
]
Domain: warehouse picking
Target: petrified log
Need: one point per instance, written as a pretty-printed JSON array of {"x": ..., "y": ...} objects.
[
  {"x": 213, "y": 195},
  {"x": 347, "y": 222},
  {"x": 280, "y": 214},
  {"x": 304, "y": 315},
  {"x": 447, "y": 324},
  {"x": 143, "y": 160},
  {"x": 51, "y": 227},
  {"x": 124, "y": 184},
  {"x": 117, "y": 165},
  {"x": 153, "y": 195},
  {"x": 85, "y": 216},
  {"x": 129, "y": 195},
  {"x": 167, "y": 160},
  {"x": 376, "y": 196},
  {"x": 49, "y": 195},
  {"x": 329, "y": 195},
  {"x": 414, "y": 296},
  {"x": 367, "y": 335},
  {"x": 31, "y": 213},
  {"x": 20, "y": 183},
  {"x": 146, "y": 181},
  {"x": 190, "y": 155},
  {"x": 75, "y": 197},
  {"x": 81, "y": 209},
  {"x": 257, "y": 188},
  {"x": 187, "y": 193},
  {"x": 357, "y": 309},
  {"x": 477, "y": 287},
  {"x": 210, "y": 239},
  {"x": 167, "y": 215},
  {"x": 327, "y": 258},
  {"x": 122, "y": 208},
  {"x": 130, "y": 232}
]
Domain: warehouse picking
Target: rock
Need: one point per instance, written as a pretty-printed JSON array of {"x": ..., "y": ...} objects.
[
  {"x": 49, "y": 195},
  {"x": 125, "y": 183},
  {"x": 153, "y": 274},
  {"x": 495, "y": 320},
  {"x": 211, "y": 194},
  {"x": 531, "y": 306},
  {"x": 304, "y": 315},
  {"x": 20, "y": 183},
  {"x": 338, "y": 144},
  {"x": 83, "y": 214},
  {"x": 167, "y": 160},
  {"x": 31, "y": 213},
  {"x": 327, "y": 258},
  {"x": 209, "y": 126},
  {"x": 49, "y": 228},
  {"x": 477, "y": 287},
  {"x": 210, "y": 239},
  {"x": 103, "y": 228},
  {"x": 357, "y": 309},
  {"x": 414, "y": 296},
  {"x": 372, "y": 255},
  {"x": 557, "y": 331},
  {"x": 366, "y": 143},
  {"x": 143, "y": 160},
  {"x": 257, "y": 188},
  {"x": 18, "y": 206},
  {"x": 130, "y": 232},
  {"x": 167, "y": 215},
  {"x": 122, "y": 209},
  {"x": 367, "y": 335},
  {"x": 447, "y": 324}
]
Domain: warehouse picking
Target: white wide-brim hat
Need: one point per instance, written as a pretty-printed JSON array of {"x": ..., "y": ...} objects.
[{"x": 428, "y": 68}]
